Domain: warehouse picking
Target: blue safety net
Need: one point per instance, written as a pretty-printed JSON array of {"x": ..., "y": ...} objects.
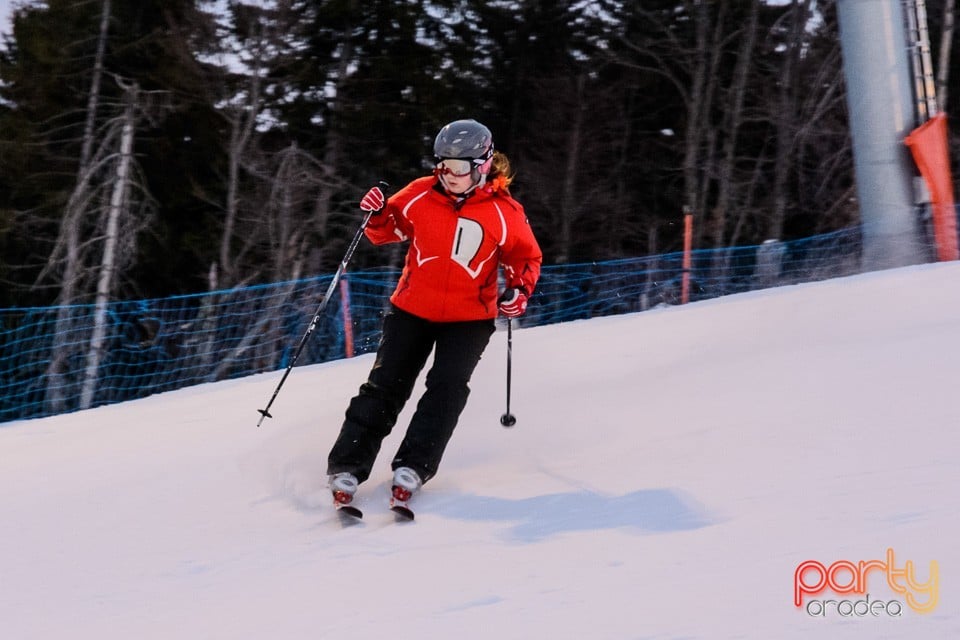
[{"x": 149, "y": 346}]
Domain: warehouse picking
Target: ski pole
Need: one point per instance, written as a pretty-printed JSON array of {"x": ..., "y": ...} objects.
[
  {"x": 508, "y": 419},
  {"x": 265, "y": 412}
]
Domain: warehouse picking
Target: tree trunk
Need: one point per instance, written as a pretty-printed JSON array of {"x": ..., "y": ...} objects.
[
  {"x": 333, "y": 146},
  {"x": 94, "y": 98},
  {"x": 241, "y": 130},
  {"x": 733, "y": 120},
  {"x": 700, "y": 135},
  {"x": 568, "y": 207},
  {"x": 695, "y": 115},
  {"x": 71, "y": 235},
  {"x": 118, "y": 201},
  {"x": 786, "y": 120}
]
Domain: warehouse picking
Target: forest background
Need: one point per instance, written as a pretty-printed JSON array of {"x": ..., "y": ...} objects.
[{"x": 162, "y": 147}]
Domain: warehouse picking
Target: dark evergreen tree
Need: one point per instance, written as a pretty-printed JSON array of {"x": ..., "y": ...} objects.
[
  {"x": 47, "y": 74},
  {"x": 261, "y": 126}
]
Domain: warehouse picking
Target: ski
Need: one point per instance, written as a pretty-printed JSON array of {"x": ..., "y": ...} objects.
[
  {"x": 349, "y": 514},
  {"x": 401, "y": 509},
  {"x": 348, "y": 511}
]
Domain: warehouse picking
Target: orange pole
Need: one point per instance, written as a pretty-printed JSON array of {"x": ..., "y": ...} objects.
[{"x": 687, "y": 251}]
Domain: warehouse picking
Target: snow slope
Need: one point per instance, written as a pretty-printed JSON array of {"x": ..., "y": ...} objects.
[{"x": 668, "y": 473}]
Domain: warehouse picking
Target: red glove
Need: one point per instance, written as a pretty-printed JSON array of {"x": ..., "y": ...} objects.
[
  {"x": 372, "y": 201},
  {"x": 513, "y": 302}
]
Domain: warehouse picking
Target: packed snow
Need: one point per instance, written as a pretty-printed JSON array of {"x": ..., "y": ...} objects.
[{"x": 668, "y": 473}]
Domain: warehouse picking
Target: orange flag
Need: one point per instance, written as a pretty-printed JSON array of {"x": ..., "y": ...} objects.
[{"x": 928, "y": 144}]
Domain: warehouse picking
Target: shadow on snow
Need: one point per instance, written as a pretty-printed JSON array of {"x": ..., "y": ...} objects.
[{"x": 539, "y": 517}]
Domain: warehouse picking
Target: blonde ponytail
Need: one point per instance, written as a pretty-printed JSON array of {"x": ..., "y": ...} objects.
[{"x": 501, "y": 172}]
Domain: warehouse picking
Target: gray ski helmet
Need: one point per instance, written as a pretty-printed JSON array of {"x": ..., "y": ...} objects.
[{"x": 464, "y": 139}]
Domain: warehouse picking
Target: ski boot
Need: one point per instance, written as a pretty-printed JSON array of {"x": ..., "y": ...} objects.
[
  {"x": 406, "y": 482},
  {"x": 343, "y": 486}
]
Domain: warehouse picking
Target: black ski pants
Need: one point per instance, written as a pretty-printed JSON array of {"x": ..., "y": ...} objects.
[{"x": 406, "y": 343}]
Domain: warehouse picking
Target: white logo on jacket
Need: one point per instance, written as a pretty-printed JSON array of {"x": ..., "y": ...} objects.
[{"x": 467, "y": 242}]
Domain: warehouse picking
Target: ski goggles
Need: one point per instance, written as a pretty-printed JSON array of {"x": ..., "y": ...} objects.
[{"x": 456, "y": 167}]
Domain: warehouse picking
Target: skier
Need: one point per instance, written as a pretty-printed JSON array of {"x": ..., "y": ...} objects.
[{"x": 462, "y": 224}]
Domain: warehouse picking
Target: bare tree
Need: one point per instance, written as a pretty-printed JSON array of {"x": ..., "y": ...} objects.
[
  {"x": 241, "y": 112},
  {"x": 118, "y": 209},
  {"x": 732, "y": 122},
  {"x": 96, "y": 242},
  {"x": 689, "y": 59},
  {"x": 287, "y": 184},
  {"x": 785, "y": 114},
  {"x": 70, "y": 228},
  {"x": 755, "y": 84},
  {"x": 569, "y": 207},
  {"x": 93, "y": 98},
  {"x": 812, "y": 159}
]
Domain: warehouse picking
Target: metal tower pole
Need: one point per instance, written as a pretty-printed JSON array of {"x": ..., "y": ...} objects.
[{"x": 882, "y": 112}]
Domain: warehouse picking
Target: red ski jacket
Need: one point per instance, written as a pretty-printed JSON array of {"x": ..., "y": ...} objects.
[{"x": 456, "y": 246}]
